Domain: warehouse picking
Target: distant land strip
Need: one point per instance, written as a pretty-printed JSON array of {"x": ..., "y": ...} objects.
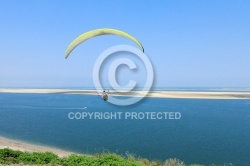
[{"x": 156, "y": 94}]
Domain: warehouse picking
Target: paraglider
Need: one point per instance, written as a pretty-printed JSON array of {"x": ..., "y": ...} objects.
[{"x": 98, "y": 32}]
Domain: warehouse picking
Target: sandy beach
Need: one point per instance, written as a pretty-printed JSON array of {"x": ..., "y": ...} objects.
[
  {"x": 158, "y": 94},
  {"x": 27, "y": 147}
]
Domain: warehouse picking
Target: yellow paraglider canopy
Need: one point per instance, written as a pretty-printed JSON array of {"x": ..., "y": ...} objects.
[{"x": 98, "y": 32}]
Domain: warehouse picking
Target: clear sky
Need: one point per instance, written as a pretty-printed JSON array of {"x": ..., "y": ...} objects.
[{"x": 191, "y": 43}]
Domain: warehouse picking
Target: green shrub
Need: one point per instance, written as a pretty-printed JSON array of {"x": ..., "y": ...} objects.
[
  {"x": 37, "y": 158},
  {"x": 8, "y": 157},
  {"x": 5, "y": 153},
  {"x": 116, "y": 160},
  {"x": 173, "y": 162},
  {"x": 73, "y": 160}
]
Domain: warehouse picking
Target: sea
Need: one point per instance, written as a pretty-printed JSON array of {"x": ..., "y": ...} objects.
[{"x": 208, "y": 131}]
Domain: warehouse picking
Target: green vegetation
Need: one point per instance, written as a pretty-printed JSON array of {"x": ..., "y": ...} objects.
[{"x": 8, "y": 156}]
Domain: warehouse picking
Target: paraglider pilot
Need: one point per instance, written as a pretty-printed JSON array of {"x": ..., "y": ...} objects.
[{"x": 105, "y": 95}]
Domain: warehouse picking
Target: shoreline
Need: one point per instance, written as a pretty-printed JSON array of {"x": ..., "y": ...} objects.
[
  {"x": 155, "y": 94},
  {"x": 23, "y": 146}
]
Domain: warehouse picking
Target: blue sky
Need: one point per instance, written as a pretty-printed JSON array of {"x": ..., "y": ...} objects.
[{"x": 191, "y": 43}]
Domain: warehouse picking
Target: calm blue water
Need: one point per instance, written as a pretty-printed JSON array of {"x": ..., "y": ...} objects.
[{"x": 210, "y": 131}]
